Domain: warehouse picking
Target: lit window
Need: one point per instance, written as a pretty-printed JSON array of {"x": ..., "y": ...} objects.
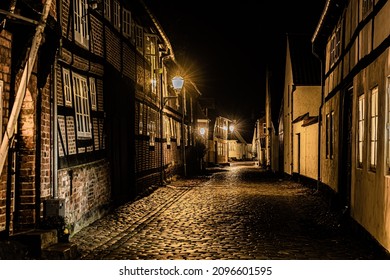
[
  {"x": 67, "y": 87},
  {"x": 151, "y": 56},
  {"x": 80, "y": 20},
  {"x": 152, "y": 126},
  {"x": 360, "y": 131},
  {"x": 373, "y": 128},
  {"x": 83, "y": 122},
  {"x": 331, "y": 144},
  {"x": 327, "y": 135}
]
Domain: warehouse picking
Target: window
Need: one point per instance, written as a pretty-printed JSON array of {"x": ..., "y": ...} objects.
[
  {"x": 335, "y": 45},
  {"x": 167, "y": 127},
  {"x": 126, "y": 23},
  {"x": 373, "y": 128},
  {"x": 80, "y": 19},
  {"x": 117, "y": 15},
  {"x": 329, "y": 135},
  {"x": 152, "y": 126},
  {"x": 107, "y": 9},
  {"x": 67, "y": 88},
  {"x": 92, "y": 89},
  {"x": 360, "y": 131},
  {"x": 141, "y": 120},
  {"x": 178, "y": 133},
  {"x": 139, "y": 38},
  {"x": 331, "y": 144},
  {"x": 151, "y": 56},
  {"x": 83, "y": 122}
]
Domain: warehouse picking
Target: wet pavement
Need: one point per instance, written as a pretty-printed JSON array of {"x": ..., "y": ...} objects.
[{"x": 239, "y": 212}]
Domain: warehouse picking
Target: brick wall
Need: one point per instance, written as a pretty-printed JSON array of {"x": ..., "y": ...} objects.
[
  {"x": 5, "y": 77},
  {"x": 87, "y": 192}
]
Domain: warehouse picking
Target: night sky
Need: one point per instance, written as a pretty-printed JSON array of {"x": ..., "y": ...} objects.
[{"x": 226, "y": 48}]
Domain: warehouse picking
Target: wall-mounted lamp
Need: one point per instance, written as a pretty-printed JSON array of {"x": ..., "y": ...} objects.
[{"x": 177, "y": 83}]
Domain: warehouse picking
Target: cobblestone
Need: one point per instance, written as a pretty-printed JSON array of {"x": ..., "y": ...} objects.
[{"x": 240, "y": 212}]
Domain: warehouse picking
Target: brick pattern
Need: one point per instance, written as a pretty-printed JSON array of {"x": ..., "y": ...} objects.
[
  {"x": 5, "y": 76},
  {"x": 113, "y": 46},
  {"x": 86, "y": 190}
]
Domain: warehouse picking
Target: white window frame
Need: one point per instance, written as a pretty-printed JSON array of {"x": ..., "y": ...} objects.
[
  {"x": 107, "y": 9},
  {"x": 116, "y": 20},
  {"x": 151, "y": 51},
  {"x": 92, "y": 91},
  {"x": 82, "y": 112},
  {"x": 374, "y": 128},
  {"x": 80, "y": 22},
  {"x": 67, "y": 87},
  {"x": 360, "y": 129},
  {"x": 126, "y": 23}
]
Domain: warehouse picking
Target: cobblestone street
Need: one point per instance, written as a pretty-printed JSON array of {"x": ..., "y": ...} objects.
[{"x": 238, "y": 212}]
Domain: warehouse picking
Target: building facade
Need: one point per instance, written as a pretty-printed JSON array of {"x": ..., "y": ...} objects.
[
  {"x": 99, "y": 120},
  {"x": 352, "y": 40}
]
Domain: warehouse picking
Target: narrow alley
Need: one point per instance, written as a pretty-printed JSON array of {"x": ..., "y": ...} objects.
[{"x": 237, "y": 212}]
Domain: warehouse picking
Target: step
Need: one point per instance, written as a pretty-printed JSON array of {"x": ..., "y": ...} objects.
[{"x": 60, "y": 251}]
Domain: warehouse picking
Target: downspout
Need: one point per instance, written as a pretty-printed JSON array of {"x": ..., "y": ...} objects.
[
  {"x": 319, "y": 121},
  {"x": 55, "y": 131},
  {"x": 293, "y": 88},
  {"x": 55, "y": 109}
]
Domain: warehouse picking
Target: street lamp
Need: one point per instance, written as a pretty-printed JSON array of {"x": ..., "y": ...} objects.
[{"x": 178, "y": 83}]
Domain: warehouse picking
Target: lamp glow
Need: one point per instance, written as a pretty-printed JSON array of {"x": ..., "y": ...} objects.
[{"x": 177, "y": 83}]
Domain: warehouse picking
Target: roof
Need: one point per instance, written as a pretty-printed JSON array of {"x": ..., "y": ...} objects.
[
  {"x": 330, "y": 15},
  {"x": 306, "y": 67}
]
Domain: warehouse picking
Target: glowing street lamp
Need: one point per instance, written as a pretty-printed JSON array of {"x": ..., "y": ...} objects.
[{"x": 178, "y": 83}]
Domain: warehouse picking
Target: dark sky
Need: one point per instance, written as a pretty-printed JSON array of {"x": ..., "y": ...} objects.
[{"x": 226, "y": 45}]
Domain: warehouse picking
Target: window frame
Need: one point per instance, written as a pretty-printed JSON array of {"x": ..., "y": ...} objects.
[
  {"x": 116, "y": 14},
  {"x": 127, "y": 25},
  {"x": 361, "y": 118},
  {"x": 67, "y": 87},
  {"x": 107, "y": 9},
  {"x": 93, "y": 93},
  {"x": 80, "y": 22},
  {"x": 373, "y": 158},
  {"x": 82, "y": 110}
]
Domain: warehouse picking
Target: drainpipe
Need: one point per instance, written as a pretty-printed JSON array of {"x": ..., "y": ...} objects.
[
  {"x": 55, "y": 132},
  {"x": 319, "y": 120},
  {"x": 55, "y": 108}
]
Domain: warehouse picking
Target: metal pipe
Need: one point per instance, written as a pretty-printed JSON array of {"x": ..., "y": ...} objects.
[{"x": 183, "y": 133}]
